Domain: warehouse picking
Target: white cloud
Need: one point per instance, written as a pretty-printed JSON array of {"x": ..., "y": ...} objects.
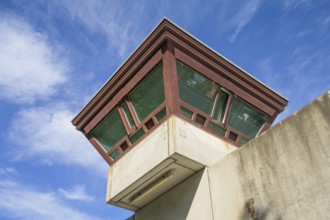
[
  {"x": 23, "y": 202},
  {"x": 295, "y": 3},
  {"x": 268, "y": 76},
  {"x": 116, "y": 20},
  {"x": 8, "y": 171},
  {"x": 46, "y": 133},
  {"x": 76, "y": 193},
  {"x": 30, "y": 67},
  {"x": 304, "y": 74},
  {"x": 243, "y": 16}
]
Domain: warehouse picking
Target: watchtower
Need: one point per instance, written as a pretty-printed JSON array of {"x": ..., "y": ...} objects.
[{"x": 174, "y": 107}]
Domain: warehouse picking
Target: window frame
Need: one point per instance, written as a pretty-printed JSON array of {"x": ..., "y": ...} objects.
[
  {"x": 131, "y": 130},
  {"x": 224, "y": 123}
]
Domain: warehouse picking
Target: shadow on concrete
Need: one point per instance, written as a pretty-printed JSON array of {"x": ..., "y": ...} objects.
[{"x": 174, "y": 204}]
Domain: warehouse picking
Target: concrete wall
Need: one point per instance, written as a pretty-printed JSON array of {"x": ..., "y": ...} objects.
[
  {"x": 286, "y": 171},
  {"x": 174, "y": 145},
  {"x": 188, "y": 200}
]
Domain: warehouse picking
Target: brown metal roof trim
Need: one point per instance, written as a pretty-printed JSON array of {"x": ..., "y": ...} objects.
[{"x": 182, "y": 41}]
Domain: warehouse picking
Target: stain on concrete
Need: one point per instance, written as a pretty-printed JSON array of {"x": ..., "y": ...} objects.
[{"x": 286, "y": 170}]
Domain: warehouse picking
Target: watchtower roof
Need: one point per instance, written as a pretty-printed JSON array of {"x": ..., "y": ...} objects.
[{"x": 173, "y": 73}]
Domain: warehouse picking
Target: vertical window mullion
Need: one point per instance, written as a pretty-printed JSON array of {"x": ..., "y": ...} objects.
[
  {"x": 215, "y": 102},
  {"x": 133, "y": 113},
  {"x": 128, "y": 114},
  {"x": 124, "y": 119},
  {"x": 228, "y": 109}
]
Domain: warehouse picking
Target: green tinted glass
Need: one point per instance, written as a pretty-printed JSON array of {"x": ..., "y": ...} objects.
[
  {"x": 110, "y": 130},
  {"x": 186, "y": 112},
  {"x": 221, "y": 106},
  {"x": 242, "y": 141},
  {"x": 161, "y": 115},
  {"x": 136, "y": 136},
  {"x": 245, "y": 118},
  {"x": 115, "y": 154},
  {"x": 149, "y": 94},
  {"x": 195, "y": 89},
  {"x": 216, "y": 128},
  {"x": 128, "y": 115}
]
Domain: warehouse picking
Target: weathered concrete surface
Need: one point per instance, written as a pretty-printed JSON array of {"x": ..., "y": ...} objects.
[
  {"x": 286, "y": 170},
  {"x": 175, "y": 145},
  {"x": 196, "y": 144},
  {"x": 139, "y": 161},
  {"x": 189, "y": 200}
]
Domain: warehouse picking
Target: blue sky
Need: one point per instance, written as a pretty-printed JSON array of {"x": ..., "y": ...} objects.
[{"x": 55, "y": 55}]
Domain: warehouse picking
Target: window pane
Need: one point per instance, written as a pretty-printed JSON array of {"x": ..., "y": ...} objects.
[
  {"x": 136, "y": 136},
  {"x": 124, "y": 146},
  {"x": 149, "y": 94},
  {"x": 200, "y": 119},
  {"x": 195, "y": 89},
  {"x": 221, "y": 106},
  {"x": 232, "y": 136},
  {"x": 110, "y": 130},
  {"x": 242, "y": 141},
  {"x": 246, "y": 118},
  {"x": 128, "y": 115},
  {"x": 186, "y": 112},
  {"x": 115, "y": 154},
  {"x": 216, "y": 128},
  {"x": 161, "y": 115}
]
